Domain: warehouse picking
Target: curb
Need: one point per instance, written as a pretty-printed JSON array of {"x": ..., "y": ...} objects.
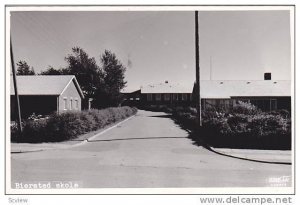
[
  {"x": 100, "y": 133},
  {"x": 248, "y": 159},
  {"x": 80, "y": 142},
  {"x": 212, "y": 149}
]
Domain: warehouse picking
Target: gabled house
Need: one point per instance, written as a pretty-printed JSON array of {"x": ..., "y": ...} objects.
[{"x": 45, "y": 94}]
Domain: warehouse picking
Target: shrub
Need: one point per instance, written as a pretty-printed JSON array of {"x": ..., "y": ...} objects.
[
  {"x": 245, "y": 108},
  {"x": 268, "y": 124},
  {"x": 158, "y": 108},
  {"x": 64, "y": 126},
  {"x": 238, "y": 123},
  {"x": 14, "y": 132},
  {"x": 68, "y": 125},
  {"x": 244, "y": 127},
  {"x": 284, "y": 113},
  {"x": 33, "y": 116},
  {"x": 216, "y": 125}
]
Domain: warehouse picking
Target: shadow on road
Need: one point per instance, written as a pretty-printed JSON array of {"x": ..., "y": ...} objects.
[
  {"x": 196, "y": 136},
  {"x": 162, "y": 116},
  {"x": 134, "y": 138},
  {"x": 201, "y": 142}
]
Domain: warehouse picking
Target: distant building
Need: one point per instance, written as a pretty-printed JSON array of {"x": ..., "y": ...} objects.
[
  {"x": 161, "y": 94},
  {"x": 266, "y": 94},
  {"x": 167, "y": 94},
  {"x": 45, "y": 94},
  {"x": 132, "y": 98}
]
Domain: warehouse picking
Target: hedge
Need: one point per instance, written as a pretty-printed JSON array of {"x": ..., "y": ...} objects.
[
  {"x": 247, "y": 127},
  {"x": 68, "y": 125},
  {"x": 244, "y": 126}
]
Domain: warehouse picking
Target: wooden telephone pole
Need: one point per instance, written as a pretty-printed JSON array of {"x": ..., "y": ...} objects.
[
  {"x": 198, "y": 101},
  {"x": 16, "y": 89}
]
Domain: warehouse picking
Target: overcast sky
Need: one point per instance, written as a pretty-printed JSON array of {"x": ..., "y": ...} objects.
[{"x": 159, "y": 46}]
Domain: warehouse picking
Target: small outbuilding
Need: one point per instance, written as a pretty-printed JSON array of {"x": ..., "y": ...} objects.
[{"x": 45, "y": 94}]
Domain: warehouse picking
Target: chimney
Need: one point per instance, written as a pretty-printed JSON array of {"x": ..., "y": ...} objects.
[{"x": 267, "y": 76}]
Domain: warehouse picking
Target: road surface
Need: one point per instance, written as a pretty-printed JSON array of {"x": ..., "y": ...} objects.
[{"x": 148, "y": 150}]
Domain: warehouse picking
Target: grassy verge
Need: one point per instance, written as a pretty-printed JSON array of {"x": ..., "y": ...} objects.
[{"x": 68, "y": 125}]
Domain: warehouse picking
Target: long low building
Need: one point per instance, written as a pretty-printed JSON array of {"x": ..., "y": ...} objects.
[
  {"x": 167, "y": 93},
  {"x": 161, "y": 94},
  {"x": 265, "y": 94},
  {"x": 45, "y": 94}
]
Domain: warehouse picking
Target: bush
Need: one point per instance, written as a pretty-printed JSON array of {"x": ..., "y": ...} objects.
[
  {"x": 14, "y": 131},
  {"x": 238, "y": 123},
  {"x": 245, "y": 108},
  {"x": 267, "y": 124},
  {"x": 158, "y": 108},
  {"x": 64, "y": 126},
  {"x": 216, "y": 125},
  {"x": 33, "y": 129},
  {"x": 244, "y": 127},
  {"x": 68, "y": 125},
  {"x": 284, "y": 113}
]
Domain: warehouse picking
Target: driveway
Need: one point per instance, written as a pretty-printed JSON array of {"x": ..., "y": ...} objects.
[{"x": 149, "y": 151}]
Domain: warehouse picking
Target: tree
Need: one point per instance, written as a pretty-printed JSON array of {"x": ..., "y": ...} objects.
[
  {"x": 103, "y": 83},
  {"x": 24, "y": 68},
  {"x": 52, "y": 71},
  {"x": 113, "y": 73},
  {"x": 85, "y": 69}
]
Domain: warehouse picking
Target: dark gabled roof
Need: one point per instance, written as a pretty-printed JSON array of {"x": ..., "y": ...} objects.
[{"x": 43, "y": 84}]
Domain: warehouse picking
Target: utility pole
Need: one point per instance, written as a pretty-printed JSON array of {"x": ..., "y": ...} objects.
[
  {"x": 16, "y": 89},
  {"x": 198, "y": 101},
  {"x": 210, "y": 69}
]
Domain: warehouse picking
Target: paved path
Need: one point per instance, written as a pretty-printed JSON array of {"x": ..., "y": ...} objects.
[{"x": 149, "y": 150}]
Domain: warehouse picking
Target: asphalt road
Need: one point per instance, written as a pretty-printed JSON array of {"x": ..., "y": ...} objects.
[{"x": 148, "y": 150}]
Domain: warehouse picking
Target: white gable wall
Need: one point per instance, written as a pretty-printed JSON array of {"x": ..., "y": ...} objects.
[{"x": 71, "y": 97}]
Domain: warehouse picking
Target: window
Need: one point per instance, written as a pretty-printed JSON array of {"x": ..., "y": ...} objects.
[
  {"x": 223, "y": 103},
  {"x": 71, "y": 104},
  {"x": 65, "y": 103},
  {"x": 179, "y": 96},
  {"x": 273, "y": 104},
  {"x": 184, "y": 97},
  {"x": 175, "y": 96},
  {"x": 149, "y": 97},
  {"x": 76, "y": 104},
  {"x": 167, "y": 97},
  {"x": 158, "y": 97}
]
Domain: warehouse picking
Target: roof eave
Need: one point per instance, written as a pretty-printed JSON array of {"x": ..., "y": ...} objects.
[{"x": 73, "y": 79}]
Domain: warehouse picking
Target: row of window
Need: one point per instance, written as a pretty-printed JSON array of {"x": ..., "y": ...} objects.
[
  {"x": 167, "y": 97},
  {"x": 263, "y": 104},
  {"x": 73, "y": 104}
]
